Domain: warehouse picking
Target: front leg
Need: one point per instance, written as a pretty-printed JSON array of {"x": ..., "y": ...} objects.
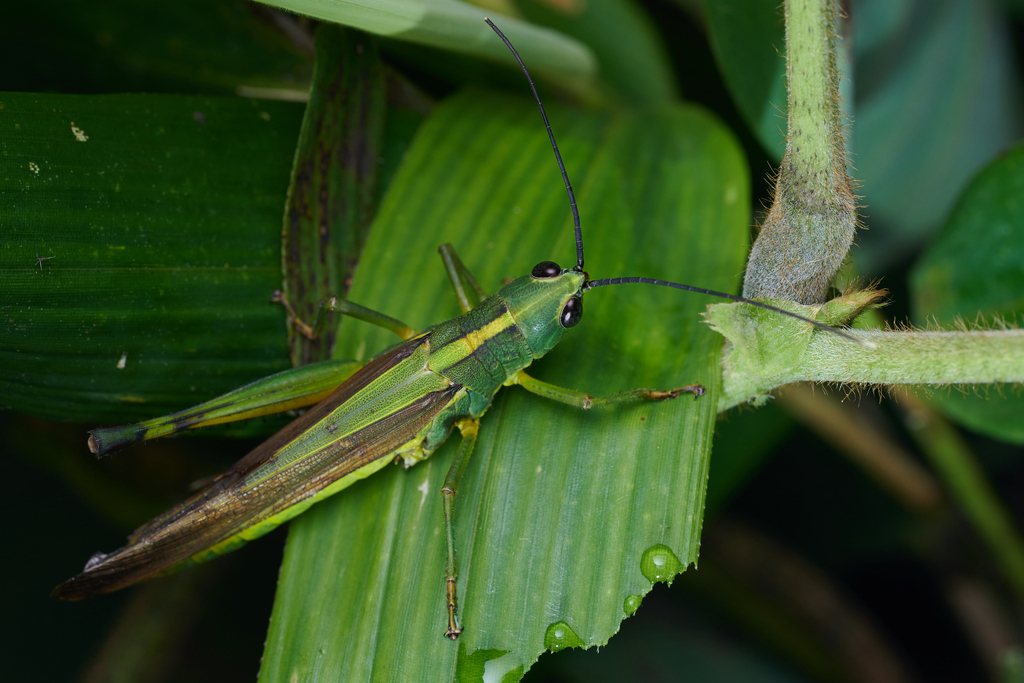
[{"x": 579, "y": 399}]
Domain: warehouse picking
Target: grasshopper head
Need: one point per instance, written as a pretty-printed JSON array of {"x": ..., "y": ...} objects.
[{"x": 545, "y": 304}]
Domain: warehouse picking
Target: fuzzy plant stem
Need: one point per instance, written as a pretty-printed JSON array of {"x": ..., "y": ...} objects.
[
  {"x": 810, "y": 227},
  {"x": 895, "y": 359},
  {"x": 958, "y": 357}
]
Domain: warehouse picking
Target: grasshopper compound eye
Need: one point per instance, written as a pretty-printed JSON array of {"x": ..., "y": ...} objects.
[
  {"x": 571, "y": 312},
  {"x": 546, "y": 269}
]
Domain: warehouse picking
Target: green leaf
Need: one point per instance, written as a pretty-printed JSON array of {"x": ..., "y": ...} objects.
[
  {"x": 975, "y": 267},
  {"x": 458, "y": 26},
  {"x": 748, "y": 39},
  {"x": 937, "y": 99},
  {"x": 194, "y": 46},
  {"x": 563, "y": 515},
  {"x": 632, "y": 59},
  {"x": 159, "y": 221},
  {"x": 332, "y": 194}
]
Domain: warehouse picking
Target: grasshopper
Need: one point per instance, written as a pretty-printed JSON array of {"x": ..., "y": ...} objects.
[{"x": 401, "y": 405}]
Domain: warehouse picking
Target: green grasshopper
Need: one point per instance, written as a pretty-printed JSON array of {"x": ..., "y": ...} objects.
[{"x": 402, "y": 404}]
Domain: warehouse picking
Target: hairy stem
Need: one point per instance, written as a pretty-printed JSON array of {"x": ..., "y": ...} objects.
[
  {"x": 811, "y": 224},
  {"x": 898, "y": 358}
]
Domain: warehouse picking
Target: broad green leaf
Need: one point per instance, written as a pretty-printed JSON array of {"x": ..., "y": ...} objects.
[
  {"x": 194, "y": 46},
  {"x": 159, "y": 219},
  {"x": 748, "y": 38},
  {"x": 159, "y": 244},
  {"x": 332, "y": 194},
  {"x": 936, "y": 99},
  {"x": 632, "y": 59},
  {"x": 455, "y": 25},
  {"x": 975, "y": 268},
  {"x": 564, "y": 518}
]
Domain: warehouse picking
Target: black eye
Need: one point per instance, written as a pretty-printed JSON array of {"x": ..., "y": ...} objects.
[
  {"x": 546, "y": 269},
  {"x": 571, "y": 312}
]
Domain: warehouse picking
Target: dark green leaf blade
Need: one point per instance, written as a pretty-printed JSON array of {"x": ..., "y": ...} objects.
[
  {"x": 975, "y": 267},
  {"x": 159, "y": 217},
  {"x": 331, "y": 198},
  {"x": 558, "y": 507},
  {"x": 937, "y": 98},
  {"x": 459, "y": 26},
  {"x": 748, "y": 38},
  {"x": 633, "y": 60},
  {"x": 217, "y": 47}
]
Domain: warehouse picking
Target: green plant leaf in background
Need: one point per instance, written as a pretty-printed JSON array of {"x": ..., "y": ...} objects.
[
  {"x": 159, "y": 216},
  {"x": 214, "y": 47},
  {"x": 156, "y": 222},
  {"x": 563, "y": 517},
  {"x": 975, "y": 267},
  {"x": 633, "y": 61},
  {"x": 748, "y": 38},
  {"x": 331, "y": 197},
  {"x": 457, "y": 26},
  {"x": 936, "y": 99}
]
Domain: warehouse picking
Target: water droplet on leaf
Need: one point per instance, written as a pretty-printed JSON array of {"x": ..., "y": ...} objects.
[
  {"x": 659, "y": 563},
  {"x": 631, "y": 604},
  {"x": 559, "y": 636}
]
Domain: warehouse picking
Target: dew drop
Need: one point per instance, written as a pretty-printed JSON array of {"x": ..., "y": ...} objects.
[
  {"x": 659, "y": 563},
  {"x": 559, "y": 636},
  {"x": 96, "y": 559},
  {"x": 631, "y": 604}
]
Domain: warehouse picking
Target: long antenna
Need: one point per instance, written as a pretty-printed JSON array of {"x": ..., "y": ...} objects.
[
  {"x": 554, "y": 146},
  {"x": 634, "y": 280},
  {"x": 732, "y": 297}
]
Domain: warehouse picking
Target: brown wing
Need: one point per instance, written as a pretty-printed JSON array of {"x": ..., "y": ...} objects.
[{"x": 231, "y": 504}]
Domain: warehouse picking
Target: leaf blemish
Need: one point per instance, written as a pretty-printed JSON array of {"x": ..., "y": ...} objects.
[
  {"x": 79, "y": 133},
  {"x": 423, "y": 489}
]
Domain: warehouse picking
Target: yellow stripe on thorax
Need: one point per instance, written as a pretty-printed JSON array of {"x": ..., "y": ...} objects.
[
  {"x": 462, "y": 347},
  {"x": 477, "y": 338}
]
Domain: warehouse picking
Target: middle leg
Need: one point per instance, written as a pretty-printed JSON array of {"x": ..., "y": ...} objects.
[{"x": 467, "y": 289}]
